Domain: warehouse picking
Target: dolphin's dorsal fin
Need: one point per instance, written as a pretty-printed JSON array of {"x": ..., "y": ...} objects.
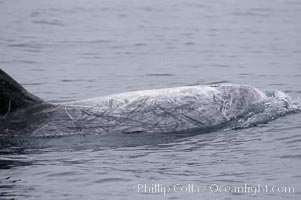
[{"x": 13, "y": 96}]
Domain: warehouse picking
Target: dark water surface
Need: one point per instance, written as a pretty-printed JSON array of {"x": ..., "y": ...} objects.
[{"x": 76, "y": 49}]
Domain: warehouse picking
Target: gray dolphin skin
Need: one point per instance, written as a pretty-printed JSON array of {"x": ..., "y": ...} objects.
[{"x": 151, "y": 111}]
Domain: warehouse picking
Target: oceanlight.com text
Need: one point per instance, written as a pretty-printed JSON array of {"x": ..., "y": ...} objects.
[{"x": 158, "y": 188}]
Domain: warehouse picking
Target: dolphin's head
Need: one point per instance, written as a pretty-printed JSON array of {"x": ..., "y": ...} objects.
[
  {"x": 236, "y": 99},
  {"x": 244, "y": 92}
]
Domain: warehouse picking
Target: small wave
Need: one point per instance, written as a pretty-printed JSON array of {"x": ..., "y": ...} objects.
[
  {"x": 107, "y": 180},
  {"x": 39, "y": 70},
  {"x": 77, "y": 80},
  {"x": 53, "y": 22},
  {"x": 251, "y": 14},
  {"x": 217, "y": 82},
  {"x": 244, "y": 74},
  {"x": 38, "y": 83},
  {"x": 25, "y": 61},
  {"x": 26, "y": 45},
  {"x": 221, "y": 66},
  {"x": 159, "y": 75},
  {"x": 140, "y": 44}
]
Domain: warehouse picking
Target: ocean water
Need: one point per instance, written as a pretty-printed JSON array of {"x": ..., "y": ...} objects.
[{"x": 75, "y": 49}]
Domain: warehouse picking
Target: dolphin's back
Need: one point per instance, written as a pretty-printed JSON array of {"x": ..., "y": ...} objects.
[
  {"x": 166, "y": 110},
  {"x": 187, "y": 108}
]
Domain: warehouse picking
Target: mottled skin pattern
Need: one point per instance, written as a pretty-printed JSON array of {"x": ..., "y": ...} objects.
[{"x": 153, "y": 111}]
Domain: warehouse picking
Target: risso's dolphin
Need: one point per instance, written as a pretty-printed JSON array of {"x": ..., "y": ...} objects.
[{"x": 152, "y": 111}]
